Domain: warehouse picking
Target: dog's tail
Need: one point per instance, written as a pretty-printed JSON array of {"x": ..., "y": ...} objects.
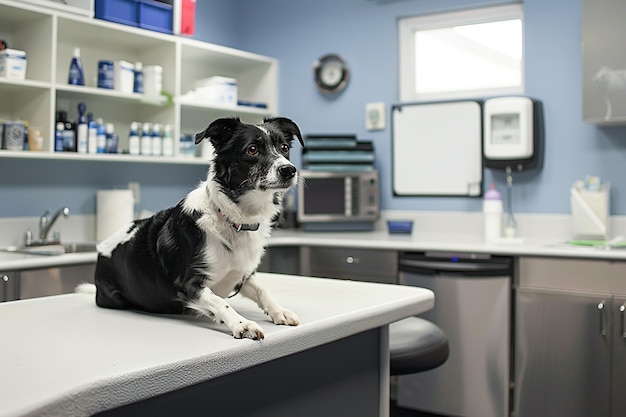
[{"x": 85, "y": 288}]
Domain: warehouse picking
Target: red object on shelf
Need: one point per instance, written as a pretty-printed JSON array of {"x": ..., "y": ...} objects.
[{"x": 187, "y": 17}]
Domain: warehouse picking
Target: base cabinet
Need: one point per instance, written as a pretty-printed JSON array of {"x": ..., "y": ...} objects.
[
  {"x": 20, "y": 285},
  {"x": 570, "y": 357}
]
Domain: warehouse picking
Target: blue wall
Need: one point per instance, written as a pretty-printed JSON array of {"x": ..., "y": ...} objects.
[{"x": 365, "y": 33}]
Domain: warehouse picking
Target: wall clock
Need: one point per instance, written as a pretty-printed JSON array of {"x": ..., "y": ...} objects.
[{"x": 331, "y": 73}]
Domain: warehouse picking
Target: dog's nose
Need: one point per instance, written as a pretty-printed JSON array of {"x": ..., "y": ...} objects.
[{"x": 287, "y": 171}]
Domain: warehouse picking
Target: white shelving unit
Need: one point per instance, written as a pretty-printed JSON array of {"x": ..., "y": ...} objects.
[{"x": 49, "y": 37}]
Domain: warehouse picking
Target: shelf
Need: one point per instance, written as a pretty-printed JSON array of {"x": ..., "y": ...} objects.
[
  {"x": 49, "y": 37},
  {"x": 82, "y": 92},
  {"x": 72, "y": 156},
  {"x": 9, "y": 85},
  {"x": 257, "y": 111}
]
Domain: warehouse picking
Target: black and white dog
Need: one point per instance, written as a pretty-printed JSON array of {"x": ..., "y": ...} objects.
[{"x": 208, "y": 246}]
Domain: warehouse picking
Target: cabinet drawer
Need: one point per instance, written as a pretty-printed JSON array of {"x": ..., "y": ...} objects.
[
  {"x": 573, "y": 274},
  {"x": 354, "y": 264}
]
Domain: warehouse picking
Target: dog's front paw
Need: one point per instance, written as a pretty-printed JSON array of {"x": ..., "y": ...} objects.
[
  {"x": 284, "y": 316},
  {"x": 247, "y": 329}
]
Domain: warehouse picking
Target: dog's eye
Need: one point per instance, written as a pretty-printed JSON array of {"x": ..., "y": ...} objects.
[
  {"x": 284, "y": 148},
  {"x": 253, "y": 150}
]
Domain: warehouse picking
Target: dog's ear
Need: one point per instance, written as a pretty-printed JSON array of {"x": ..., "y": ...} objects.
[
  {"x": 219, "y": 130},
  {"x": 286, "y": 126}
]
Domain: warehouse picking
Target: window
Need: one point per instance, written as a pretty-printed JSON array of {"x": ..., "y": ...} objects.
[{"x": 464, "y": 54}]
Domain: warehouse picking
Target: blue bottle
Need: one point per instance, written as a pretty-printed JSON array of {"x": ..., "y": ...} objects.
[
  {"x": 138, "y": 84},
  {"x": 101, "y": 139},
  {"x": 82, "y": 130},
  {"x": 58, "y": 137},
  {"x": 76, "y": 75}
]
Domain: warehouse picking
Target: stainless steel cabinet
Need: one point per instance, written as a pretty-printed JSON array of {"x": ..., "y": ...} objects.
[
  {"x": 570, "y": 340},
  {"x": 372, "y": 265},
  {"x": 473, "y": 308},
  {"x": 19, "y": 285},
  {"x": 7, "y": 287}
]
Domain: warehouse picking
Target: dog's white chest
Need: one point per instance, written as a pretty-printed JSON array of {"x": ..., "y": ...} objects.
[{"x": 237, "y": 257}]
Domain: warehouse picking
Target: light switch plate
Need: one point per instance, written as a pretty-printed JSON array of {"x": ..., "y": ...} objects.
[{"x": 375, "y": 116}]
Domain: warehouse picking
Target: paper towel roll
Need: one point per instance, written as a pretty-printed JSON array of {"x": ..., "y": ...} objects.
[{"x": 114, "y": 210}]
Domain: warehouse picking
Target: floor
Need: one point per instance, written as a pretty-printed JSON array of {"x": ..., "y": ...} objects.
[{"x": 395, "y": 411}]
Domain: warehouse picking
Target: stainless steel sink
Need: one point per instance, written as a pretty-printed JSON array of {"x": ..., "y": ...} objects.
[
  {"x": 80, "y": 247},
  {"x": 59, "y": 249}
]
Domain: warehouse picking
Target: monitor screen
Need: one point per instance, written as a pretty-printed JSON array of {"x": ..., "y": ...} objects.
[{"x": 324, "y": 196}]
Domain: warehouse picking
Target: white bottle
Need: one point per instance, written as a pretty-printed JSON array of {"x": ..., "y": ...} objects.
[
  {"x": 92, "y": 137},
  {"x": 492, "y": 209},
  {"x": 146, "y": 140},
  {"x": 168, "y": 141},
  {"x": 133, "y": 140},
  {"x": 82, "y": 131},
  {"x": 157, "y": 142}
]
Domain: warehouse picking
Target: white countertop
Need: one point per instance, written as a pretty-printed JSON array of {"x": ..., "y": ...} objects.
[
  {"x": 439, "y": 242},
  {"x": 63, "y": 355},
  {"x": 14, "y": 261},
  {"x": 368, "y": 240}
]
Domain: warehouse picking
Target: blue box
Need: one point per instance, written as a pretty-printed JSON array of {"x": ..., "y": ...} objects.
[
  {"x": 155, "y": 15},
  {"x": 400, "y": 226},
  {"x": 118, "y": 11}
]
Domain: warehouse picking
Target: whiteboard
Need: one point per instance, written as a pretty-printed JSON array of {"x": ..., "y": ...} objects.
[{"x": 437, "y": 149}]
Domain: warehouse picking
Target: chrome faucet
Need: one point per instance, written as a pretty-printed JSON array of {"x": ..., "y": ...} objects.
[{"x": 46, "y": 223}]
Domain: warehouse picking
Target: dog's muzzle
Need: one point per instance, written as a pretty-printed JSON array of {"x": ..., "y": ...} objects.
[{"x": 287, "y": 171}]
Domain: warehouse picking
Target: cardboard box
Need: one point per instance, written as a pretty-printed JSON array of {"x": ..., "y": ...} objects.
[{"x": 13, "y": 64}]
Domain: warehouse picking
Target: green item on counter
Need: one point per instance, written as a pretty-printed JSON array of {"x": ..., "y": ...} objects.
[{"x": 598, "y": 243}]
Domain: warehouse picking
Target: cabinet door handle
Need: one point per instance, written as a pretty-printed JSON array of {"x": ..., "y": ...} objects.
[
  {"x": 622, "y": 308},
  {"x": 601, "y": 310}
]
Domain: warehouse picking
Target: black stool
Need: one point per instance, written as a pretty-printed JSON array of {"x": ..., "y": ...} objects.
[{"x": 416, "y": 345}]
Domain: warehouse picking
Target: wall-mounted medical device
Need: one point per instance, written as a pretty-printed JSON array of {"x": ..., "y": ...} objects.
[{"x": 512, "y": 133}]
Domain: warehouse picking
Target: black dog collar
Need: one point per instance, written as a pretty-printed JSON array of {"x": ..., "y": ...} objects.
[{"x": 252, "y": 227}]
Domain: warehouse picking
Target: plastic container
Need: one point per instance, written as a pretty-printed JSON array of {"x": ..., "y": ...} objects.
[
  {"x": 13, "y": 64},
  {"x": 14, "y": 135},
  {"x": 168, "y": 141},
  {"x": 35, "y": 138},
  {"x": 217, "y": 90},
  {"x": 69, "y": 133},
  {"x": 112, "y": 138},
  {"x": 101, "y": 139},
  {"x": 138, "y": 84},
  {"x": 106, "y": 74},
  {"x": 146, "y": 139},
  {"x": 152, "y": 81},
  {"x": 400, "y": 226},
  {"x": 124, "y": 76},
  {"x": 155, "y": 15},
  {"x": 58, "y": 137},
  {"x": 82, "y": 130},
  {"x": 133, "y": 140},
  {"x": 492, "y": 209},
  {"x": 92, "y": 137},
  {"x": 118, "y": 11},
  {"x": 76, "y": 75},
  {"x": 157, "y": 141}
]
